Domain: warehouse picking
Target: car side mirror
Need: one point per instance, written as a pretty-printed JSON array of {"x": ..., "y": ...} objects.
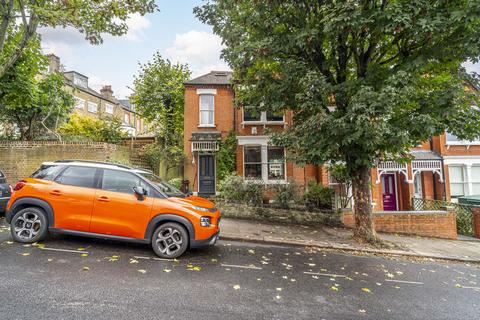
[{"x": 140, "y": 192}]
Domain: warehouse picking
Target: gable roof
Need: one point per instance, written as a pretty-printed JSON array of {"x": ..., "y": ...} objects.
[{"x": 213, "y": 78}]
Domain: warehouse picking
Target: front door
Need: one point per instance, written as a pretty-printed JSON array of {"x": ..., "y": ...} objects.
[
  {"x": 389, "y": 192},
  {"x": 206, "y": 174}
]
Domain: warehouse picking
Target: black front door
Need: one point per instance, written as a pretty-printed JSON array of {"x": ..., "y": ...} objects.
[{"x": 206, "y": 174}]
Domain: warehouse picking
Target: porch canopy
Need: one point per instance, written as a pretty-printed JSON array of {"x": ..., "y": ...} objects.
[
  {"x": 423, "y": 160},
  {"x": 205, "y": 141}
]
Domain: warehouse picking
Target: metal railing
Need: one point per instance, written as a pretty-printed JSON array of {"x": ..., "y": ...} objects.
[
  {"x": 464, "y": 212},
  {"x": 205, "y": 146}
]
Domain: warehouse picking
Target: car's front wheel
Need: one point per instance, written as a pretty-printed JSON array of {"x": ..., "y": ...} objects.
[
  {"x": 29, "y": 225},
  {"x": 170, "y": 240}
]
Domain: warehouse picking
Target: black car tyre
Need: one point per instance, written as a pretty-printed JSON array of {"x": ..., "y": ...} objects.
[
  {"x": 29, "y": 225},
  {"x": 170, "y": 240}
]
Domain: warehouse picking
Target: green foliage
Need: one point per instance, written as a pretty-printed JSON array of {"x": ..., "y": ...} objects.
[
  {"x": 176, "y": 182},
  {"x": 366, "y": 80},
  {"x": 20, "y": 19},
  {"x": 34, "y": 105},
  {"x": 100, "y": 130},
  {"x": 159, "y": 98},
  {"x": 153, "y": 155},
  {"x": 226, "y": 156},
  {"x": 340, "y": 175},
  {"x": 234, "y": 189},
  {"x": 318, "y": 197},
  {"x": 284, "y": 195},
  {"x": 124, "y": 162}
]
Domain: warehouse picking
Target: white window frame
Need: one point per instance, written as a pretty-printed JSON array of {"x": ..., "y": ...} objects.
[
  {"x": 263, "y": 119},
  {"x": 126, "y": 118},
  {"x": 262, "y": 141},
  {"x": 200, "y": 110},
  {"x": 79, "y": 103},
  {"x": 464, "y": 182},
  {"x": 92, "y": 107},
  {"x": 109, "y": 108},
  {"x": 80, "y": 81}
]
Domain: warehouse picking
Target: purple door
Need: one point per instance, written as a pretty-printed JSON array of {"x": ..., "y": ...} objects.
[{"x": 389, "y": 192}]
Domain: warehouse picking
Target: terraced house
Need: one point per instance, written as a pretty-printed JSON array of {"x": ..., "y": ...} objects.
[
  {"x": 101, "y": 104},
  {"x": 441, "y": 168}
]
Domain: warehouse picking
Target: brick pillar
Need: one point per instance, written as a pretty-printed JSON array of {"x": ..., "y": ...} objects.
[{"x": 476, "y": 221}]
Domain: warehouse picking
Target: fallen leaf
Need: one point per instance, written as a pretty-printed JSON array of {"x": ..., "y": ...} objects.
[
  {"x": 9, "y": 242},
  {"x": 278, "y": 297},
  {"x": 142, "y": 271},
  {"x": 279, "y": 289},
  {"x": 25, "y": 254},
  {"x": 334, "y": 288},
  {"x": 366, "y": 290},
  {"x": 84, "y": 255},
  {"x": 133, "y": 261},
  {"x": 362, "y": 310},
  {"x": 251, "y": 251},
  {"x": 167, "y": 270},
  {"x": 86, "y": 268},
  {"x": 236, "y": 287}
]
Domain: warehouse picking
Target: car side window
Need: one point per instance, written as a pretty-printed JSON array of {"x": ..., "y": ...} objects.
[
  {"x": 78, "y": 176},
  {"x": 121, "y": 181},
  {"x": 47, "y": 172}
]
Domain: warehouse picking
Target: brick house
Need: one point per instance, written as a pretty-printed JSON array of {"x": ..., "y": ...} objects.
[
  {"x": 103, "y": 104},
  {"x": 441, "y": 168}
]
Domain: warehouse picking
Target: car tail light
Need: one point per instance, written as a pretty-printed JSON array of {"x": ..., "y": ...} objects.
[{"x": 20, "y": 184}]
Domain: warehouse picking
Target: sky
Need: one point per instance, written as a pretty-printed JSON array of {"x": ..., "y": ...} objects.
[{"x": 174, "y": 31}]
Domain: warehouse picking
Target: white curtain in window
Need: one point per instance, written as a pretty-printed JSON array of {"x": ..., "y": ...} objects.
[
  {"x": 207, "y": 109},
  {"x": 457, "y": 181}
]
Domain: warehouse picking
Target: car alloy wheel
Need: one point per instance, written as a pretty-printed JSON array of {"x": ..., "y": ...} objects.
[
  {"x": 170, "y": 240},
  {"x": 28, "y": 225}
]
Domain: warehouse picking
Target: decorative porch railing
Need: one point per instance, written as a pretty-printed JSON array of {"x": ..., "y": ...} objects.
[
  {"x": 205, "y": 146},
  {"x": 464, "y": 212}
]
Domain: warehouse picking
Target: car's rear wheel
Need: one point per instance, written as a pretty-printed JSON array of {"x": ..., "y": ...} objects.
[
  {"x": 29, "y": 225},
  {"x": 170, "y": 240}
]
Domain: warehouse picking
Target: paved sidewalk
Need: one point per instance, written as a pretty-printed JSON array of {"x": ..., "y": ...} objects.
[{"x": 341, "y": 239}]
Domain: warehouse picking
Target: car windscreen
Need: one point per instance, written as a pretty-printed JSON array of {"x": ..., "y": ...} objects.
[{"x": 164, "y": 186}]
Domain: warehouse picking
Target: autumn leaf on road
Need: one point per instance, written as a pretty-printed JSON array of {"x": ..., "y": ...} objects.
[
  {"x": 366, "y": 290},
  {"x": 142, "y": 271},
  {"x": 236, "y": 287}
]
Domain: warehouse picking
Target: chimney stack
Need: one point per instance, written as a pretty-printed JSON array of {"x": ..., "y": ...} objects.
[
  {"x": 107, "y": 92},
  {"x": 54, "y": 65}
]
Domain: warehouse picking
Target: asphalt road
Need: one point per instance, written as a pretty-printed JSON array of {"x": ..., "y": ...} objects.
[{"x": 110, "y": 280}]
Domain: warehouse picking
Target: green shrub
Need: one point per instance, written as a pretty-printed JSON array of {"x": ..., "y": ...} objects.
[
  {"x": 234, "y": 189},
  {"x": 285, "y": 194},
  {"x": 317, "y": 197},
  {"x": 176, "y": 182},
  {"x": 253, "y": 193},
  {"x": 231, "y": 188}
]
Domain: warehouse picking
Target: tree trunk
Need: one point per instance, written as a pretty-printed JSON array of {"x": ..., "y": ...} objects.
[{"x": 364, "y": 226}]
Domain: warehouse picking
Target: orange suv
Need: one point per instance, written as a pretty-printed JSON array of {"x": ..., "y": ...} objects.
[{"x": 110, "y": 201}]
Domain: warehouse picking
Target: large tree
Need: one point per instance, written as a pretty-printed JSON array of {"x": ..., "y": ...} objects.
[
  {"x": 159, "y": 98},
  {"x": 31, "y": 101},
  {"x": 366, "y": 80},
  {"x": 20, "y": 19}
]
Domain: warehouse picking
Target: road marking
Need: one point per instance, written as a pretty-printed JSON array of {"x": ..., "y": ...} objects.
[
  {"x": 236, "y": 266},
  {"x": 64, "y": 250},
  {"x": 326, "y": 274},
  {"x": 404, "y": 281},
  {"x": 474, "y": 288}
]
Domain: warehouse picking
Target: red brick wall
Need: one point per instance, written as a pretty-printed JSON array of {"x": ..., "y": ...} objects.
[
  {"x": 224, "y": 122},
  {"x": 438, "y": 225}
]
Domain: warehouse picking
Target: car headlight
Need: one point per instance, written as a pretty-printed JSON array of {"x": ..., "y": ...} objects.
[
  {"x": 205, "y": 221},
  {"x": 201, "y": 209}
]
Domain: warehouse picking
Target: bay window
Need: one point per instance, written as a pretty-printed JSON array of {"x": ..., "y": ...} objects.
[
  {"x": 253, "y": 162},
  {"x": 457, "y": 181},
  {"x": 265, "y": 163},
  {"x": 207, "y": 110}
]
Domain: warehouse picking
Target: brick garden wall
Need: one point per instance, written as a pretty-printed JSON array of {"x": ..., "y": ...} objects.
[
  {"x": 19, "y": 159},
  {"x": 438, "y": 224}
]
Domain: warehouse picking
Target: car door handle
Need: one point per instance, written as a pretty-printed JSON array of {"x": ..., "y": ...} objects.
[
  {"x": 104, "y": 199},
  {"x": 56, "y": 192}
]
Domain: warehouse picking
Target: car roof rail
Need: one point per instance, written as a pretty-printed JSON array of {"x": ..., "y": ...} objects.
[{"x": 95, "y": 162}]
